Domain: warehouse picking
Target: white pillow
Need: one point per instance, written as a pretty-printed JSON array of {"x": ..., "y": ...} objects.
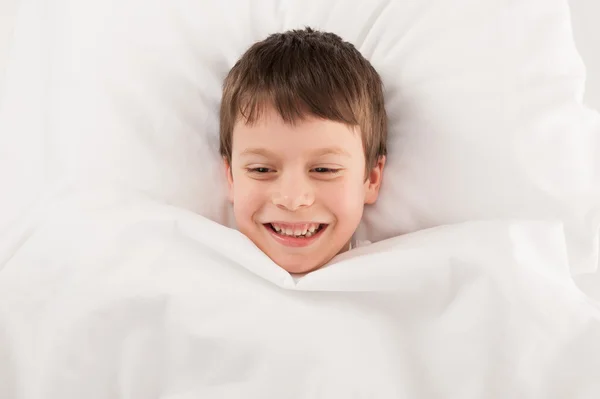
[
  {"x": 484, "y": 100},
  {"x": 8, "y": 10}
]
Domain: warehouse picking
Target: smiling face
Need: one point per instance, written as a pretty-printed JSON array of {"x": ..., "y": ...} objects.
[{"x": 298, "y": 190}]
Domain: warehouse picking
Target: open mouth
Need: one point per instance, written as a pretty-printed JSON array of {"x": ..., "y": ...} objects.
[{"x": 306, "y": 230}]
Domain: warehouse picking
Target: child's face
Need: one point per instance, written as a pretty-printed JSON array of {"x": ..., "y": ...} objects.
[{"x": 298, "y": 191}]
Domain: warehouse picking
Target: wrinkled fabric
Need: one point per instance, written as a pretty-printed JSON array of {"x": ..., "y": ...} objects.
[{"x": 111, "y": 295}]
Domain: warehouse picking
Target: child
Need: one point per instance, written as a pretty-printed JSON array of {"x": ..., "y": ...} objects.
[{"x": 303, "y": 137}]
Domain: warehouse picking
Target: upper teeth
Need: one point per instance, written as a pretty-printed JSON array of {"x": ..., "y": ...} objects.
[{"x": 307, "y": 229}]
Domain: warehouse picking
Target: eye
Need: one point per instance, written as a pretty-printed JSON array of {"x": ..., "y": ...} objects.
[
  {"x": 326, "y": 170},
  {"x": 260, "y": 170}
]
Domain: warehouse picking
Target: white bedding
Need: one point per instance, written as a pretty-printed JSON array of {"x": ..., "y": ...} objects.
[
  {"x": 110, "y": 295},
  {"x": 107, "y": 294}
]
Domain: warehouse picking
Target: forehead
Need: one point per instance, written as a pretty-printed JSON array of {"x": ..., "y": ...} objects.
[{"x": 310, "y": 134}]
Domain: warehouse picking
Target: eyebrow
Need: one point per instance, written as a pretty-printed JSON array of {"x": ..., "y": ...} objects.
[
  {"x": 318, "y": 153},
  {"x": 331, "y": 151},
  {"x": 259, "y": 151}
]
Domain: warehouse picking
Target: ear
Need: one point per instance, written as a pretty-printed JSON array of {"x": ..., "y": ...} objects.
[
  {"x": 229, "y": 174},
  {"x": 373, "y": 182}
]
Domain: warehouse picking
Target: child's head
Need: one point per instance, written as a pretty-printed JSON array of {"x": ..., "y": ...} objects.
[{"x": 303, "y": 137}]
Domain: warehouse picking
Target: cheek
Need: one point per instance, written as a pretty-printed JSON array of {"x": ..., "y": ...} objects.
[
  {"x": 248, "y": 197},
  {"x": 345, "y": 199}
]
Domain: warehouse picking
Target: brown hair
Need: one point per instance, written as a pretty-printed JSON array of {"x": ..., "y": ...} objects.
[{"x": 303, "y": 72}]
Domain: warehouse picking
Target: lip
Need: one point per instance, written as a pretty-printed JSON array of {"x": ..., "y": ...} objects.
[{"x": 293, "y": 241}]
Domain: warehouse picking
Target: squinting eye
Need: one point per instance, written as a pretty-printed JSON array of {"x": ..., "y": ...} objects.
[
  {"x": 259, "y": 170},
  {"x": 326, "y": 170}
]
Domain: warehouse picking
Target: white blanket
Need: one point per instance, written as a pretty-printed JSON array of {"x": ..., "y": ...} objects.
[{"x": 106, "y": 295}]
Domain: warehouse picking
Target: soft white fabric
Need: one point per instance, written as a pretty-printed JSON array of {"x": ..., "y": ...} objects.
[
  {"x": 113, "y": 296},
  {"x": 484, "y": 99},
  {"x": 8, "y": 10},
  {"x": 587, "y": 38}
]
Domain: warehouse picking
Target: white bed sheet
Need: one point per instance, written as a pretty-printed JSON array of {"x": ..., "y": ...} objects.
[{"x": 105, "y": 294}]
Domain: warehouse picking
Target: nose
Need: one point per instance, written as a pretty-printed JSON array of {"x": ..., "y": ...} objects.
[{"x": 292, "y": 193}]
